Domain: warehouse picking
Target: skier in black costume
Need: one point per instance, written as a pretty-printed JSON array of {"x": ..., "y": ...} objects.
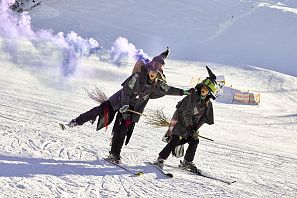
[
  {"x": 191, "y": 113},
  {"x": 146, "y": 83}
]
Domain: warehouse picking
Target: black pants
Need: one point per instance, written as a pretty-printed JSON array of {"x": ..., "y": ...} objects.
[
  {"x": 175, "y": 141},
  {"x": 121, "y": 130},
  {"x": 92, "y": 114}
]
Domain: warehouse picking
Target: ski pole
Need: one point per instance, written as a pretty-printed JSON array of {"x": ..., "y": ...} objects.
[{"x": 206, "y": 138}]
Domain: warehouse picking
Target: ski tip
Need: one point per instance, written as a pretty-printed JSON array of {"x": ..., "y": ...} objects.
[
  {"x": 139, "y": 173},
  {"x": 231, "y": 182},
  {"x": 62, "y": 126},
  {"x": 169, "y": 175}
]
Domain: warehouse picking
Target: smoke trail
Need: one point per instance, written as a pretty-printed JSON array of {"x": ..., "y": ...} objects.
[
  {"x": 42, "y": 49},
  {"x": 123, "y": 51}
]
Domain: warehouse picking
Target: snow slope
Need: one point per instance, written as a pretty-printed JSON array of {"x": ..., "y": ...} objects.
[
  {"x": 255, "y": 145},
  {"x": 253, "y": 32},
  {"x": 43, "y": 77}
]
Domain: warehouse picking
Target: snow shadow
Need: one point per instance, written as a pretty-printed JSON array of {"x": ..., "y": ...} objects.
[
  {"x": 151, "y": 169},
  {"x": 11, "y": 166}
]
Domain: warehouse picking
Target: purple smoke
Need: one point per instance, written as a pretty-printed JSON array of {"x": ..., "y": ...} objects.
[
  {"x": 43, "y": 49},
  {"x": 123, "y": 51}
]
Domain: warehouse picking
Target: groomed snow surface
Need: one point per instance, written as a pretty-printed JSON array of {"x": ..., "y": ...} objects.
[{"x": 254, "y": 145}]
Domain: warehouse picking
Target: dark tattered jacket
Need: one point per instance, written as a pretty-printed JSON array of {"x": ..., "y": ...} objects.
[
  {"x": 136, "y": 93},
  {"x": 192, "y": 111}
]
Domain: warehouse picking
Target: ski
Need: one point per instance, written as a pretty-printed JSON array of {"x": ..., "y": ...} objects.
[
  {"x": 161, "y": 170},
  {"x": 202, "y": 174},
  {"x": 139, "y": 173}
]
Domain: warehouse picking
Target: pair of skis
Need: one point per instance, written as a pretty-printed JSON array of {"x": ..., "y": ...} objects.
[
  {"x": 170, "y": 175},
  {"x": 138, "y": 173}
]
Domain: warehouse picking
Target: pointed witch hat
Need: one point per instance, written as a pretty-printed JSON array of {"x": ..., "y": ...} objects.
[
  {"x": 211, "y": 75},
  {"x": 160, "y": 58},
  {"x": 165, "y": 53},
  {"x": 210, "y": 82}
]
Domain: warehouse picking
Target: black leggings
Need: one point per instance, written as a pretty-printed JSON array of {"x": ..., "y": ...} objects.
[
  {"x": 175, "y": 141},
  {"x": 92, "y": 114},
  {"x": 120, "y": 131}
]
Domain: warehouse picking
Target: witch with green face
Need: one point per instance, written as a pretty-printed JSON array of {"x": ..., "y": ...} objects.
[{"x": 191, "y": 113}]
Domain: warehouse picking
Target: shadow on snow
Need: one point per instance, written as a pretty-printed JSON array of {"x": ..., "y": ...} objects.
[{"x": 28, "y": 167}]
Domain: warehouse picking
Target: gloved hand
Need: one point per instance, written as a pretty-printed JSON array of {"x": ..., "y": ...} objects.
[
  {"x": 188, "y": 92},
  {"x": 126, "y": 116},
  {"x": 189, "y": 130},
  {"x": 195, "y": 135},
  {"x": 124, "y": 108}
]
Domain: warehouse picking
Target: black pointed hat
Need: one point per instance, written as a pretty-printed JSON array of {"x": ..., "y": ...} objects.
[{"x": 211, "y": 75}]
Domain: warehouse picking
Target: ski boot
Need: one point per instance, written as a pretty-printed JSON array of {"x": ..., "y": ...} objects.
[
  {"x": 92, "y": 121},
  {"x": 159, "y": 162},
  {"x": 190, "y": 166},
  {"x": 114, "y": 158},
  {"x": 72, "y": 123}
]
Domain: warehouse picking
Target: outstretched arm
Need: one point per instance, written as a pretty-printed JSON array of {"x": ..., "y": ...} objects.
[{"x": 164, "y": 89}]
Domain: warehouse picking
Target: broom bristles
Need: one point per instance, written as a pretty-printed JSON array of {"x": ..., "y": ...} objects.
[
  {"x": 157, "y": 118},
  {"x": 97, "y": 94},
  {"x": 154, "y": 117}
]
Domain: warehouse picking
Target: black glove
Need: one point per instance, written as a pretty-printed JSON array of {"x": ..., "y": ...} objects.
[{"x": 195, "y": 135}]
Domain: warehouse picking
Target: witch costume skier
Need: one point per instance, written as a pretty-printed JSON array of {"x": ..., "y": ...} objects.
[
  {"x": 147, "y": 83},
  {"x": 191, "y": 113}
]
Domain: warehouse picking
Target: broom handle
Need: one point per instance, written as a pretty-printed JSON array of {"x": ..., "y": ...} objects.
[
  {"x": 135, "y": 112},
  {"x": 144, "y": 115}
]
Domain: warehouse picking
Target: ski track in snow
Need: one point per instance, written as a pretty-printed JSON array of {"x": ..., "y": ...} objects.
[{"x": 254, "y": 145}]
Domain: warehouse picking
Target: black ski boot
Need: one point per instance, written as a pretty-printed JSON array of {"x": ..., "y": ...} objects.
[
  {"x": 114, "y": 158},
  {"x": 159, "y": 162},
  {"x": 189, "y": 166},
  {"x": 72, "y": 123}
]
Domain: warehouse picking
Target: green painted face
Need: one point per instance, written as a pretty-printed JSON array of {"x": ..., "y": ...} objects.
[{"x": 210, "y": 85}]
